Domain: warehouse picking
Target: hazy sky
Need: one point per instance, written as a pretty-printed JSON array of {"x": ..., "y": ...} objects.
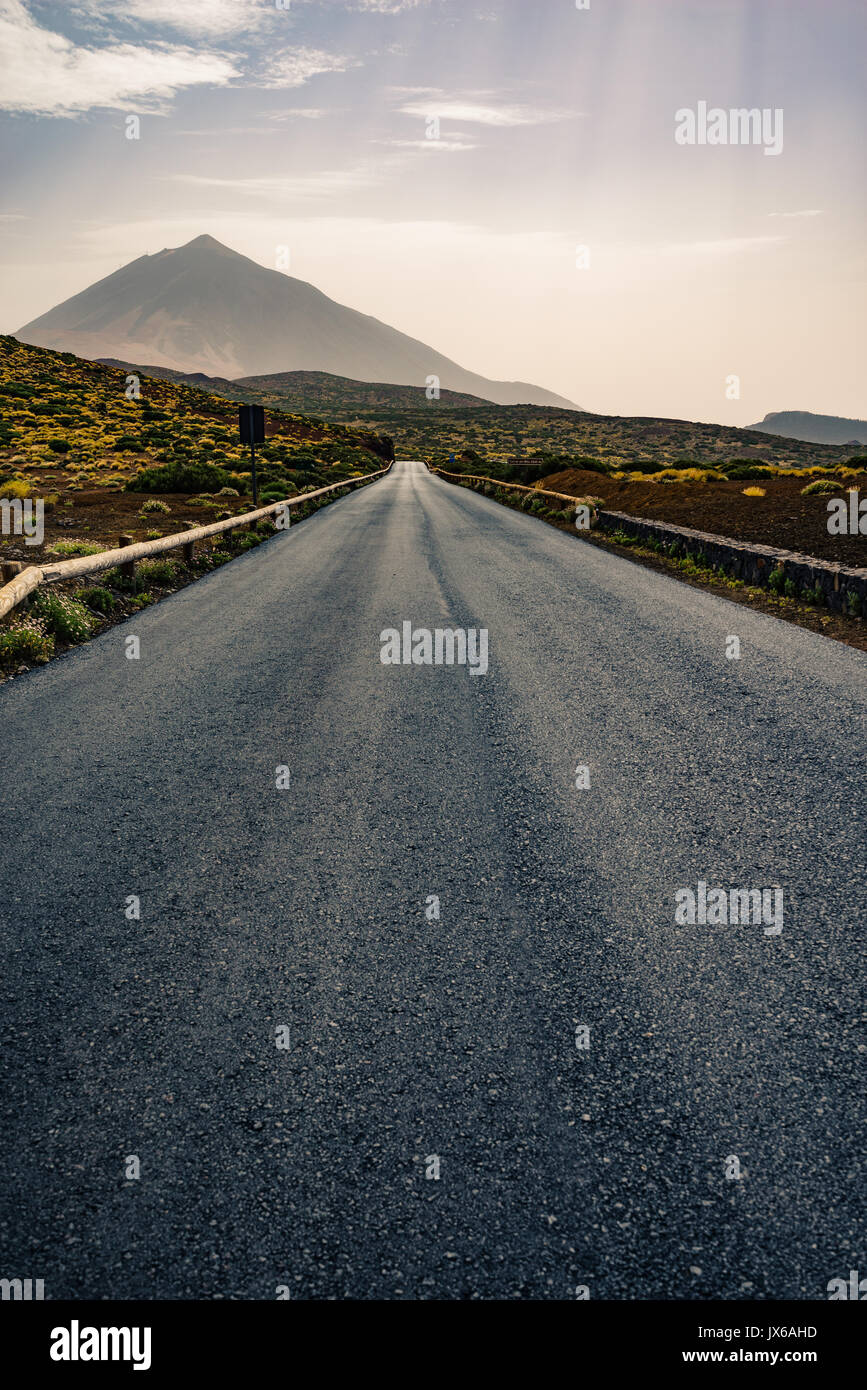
[{"x": 307, "y": 126}]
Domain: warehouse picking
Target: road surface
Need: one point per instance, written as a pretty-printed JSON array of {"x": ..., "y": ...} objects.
[{"x": 304, "y": 908}]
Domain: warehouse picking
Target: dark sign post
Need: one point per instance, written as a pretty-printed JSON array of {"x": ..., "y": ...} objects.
[{"x": 251, "y": 423}]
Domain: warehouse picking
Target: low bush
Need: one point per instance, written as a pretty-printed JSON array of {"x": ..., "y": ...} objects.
[
  {"x": 777, "y": 579},
  {"x": 180, "y": 477},
  {"x": 16, "y": 487},
  {"x": 63, "y": 616},
  {"x": 681, "y": 475},
  {"x": 742, "y": 472},
  {"x": 157, "y": 572},
  {"x": 27, "y": 640},
  {"x": 820, "y": 486},
  {"x": 71, "y": 548},
  {"x": 99, "y": 599},
  {"x": 153, "y": 504}
]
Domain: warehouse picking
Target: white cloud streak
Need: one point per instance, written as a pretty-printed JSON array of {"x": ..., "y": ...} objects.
[
  {"x": 295, "y": 67},
  {"x": 480, "y": 113},
  {"x": 804, "y": 212},
  {"x": 288, "y": 188}
]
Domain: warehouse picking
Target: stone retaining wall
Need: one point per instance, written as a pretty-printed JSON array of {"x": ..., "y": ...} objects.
[{"x": 843, "y": 590}]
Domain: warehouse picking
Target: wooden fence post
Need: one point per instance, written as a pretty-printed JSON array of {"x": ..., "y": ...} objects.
[{"x": 128, "y": 569}]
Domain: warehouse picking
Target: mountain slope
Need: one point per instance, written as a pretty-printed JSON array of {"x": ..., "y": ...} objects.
[
  {"x": 309, "y": 392},
  {"x": 437, "y": 430},
  {"x": 203, "y": 307},
  {"x": 815, "y": 429}
]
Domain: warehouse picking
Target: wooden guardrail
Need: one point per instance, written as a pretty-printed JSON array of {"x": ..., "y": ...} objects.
[
  {"x": 32, "y": 576},
  {"x": 495, "y": 482}
]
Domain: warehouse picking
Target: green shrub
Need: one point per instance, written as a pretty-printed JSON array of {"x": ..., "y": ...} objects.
[
  {"x": 776, "y": 579},
  {"x": 180, "y": 477},
  {"x": 153, "y": 504},
  {"x": 99, "y": 599},
  {"x": 157, "y": 571},
  {"x": 821, "y": 485},
  {"x": 63, "y": 616},
  {"x": 59, "y": 446},
  {"x": 28, "y": 640},
  {"x": 853, "y": 604},
  {"x": 17, "y": 487},
  {"x": 71, "y": 548},
  {"x": 736, "y": 472}
]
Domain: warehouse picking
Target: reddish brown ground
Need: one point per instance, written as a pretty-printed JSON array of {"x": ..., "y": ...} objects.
[{"x": 783, "y": 517}]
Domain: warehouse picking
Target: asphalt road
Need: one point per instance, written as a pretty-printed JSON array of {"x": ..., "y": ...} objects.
[{"x": 305, "y": 907}]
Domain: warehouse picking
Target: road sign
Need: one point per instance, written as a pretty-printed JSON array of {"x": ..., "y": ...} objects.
[{"x": 251, "y": 423}]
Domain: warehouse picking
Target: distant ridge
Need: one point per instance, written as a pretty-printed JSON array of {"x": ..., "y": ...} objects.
[
  {"x": 312, "y": 390},
  {"x": 205, "y": 308},
  {"x": 814, "y": 429}
]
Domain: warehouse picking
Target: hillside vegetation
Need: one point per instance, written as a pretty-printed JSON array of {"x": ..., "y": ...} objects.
[
  {"x": 68, "y": 426},
  {"x": 467, "y": 435}
]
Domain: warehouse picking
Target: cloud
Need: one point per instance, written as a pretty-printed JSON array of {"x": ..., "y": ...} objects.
[
  {"x": 296, "y": 66},
  {"x": 220, "y": 132},
  {"x": 387, "y": 6},
  {"x": 283, "y": 188},
  {"x": 202, "y": 18},
  {"x": 47, "y": 74},
  {"x": 804, "y": 212},
  {"x": 444, "y": 146},
  {"x": 306, "y": 113},
  {"x": 218, "y": 19},
  {"x": 479, "y": 113}
]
